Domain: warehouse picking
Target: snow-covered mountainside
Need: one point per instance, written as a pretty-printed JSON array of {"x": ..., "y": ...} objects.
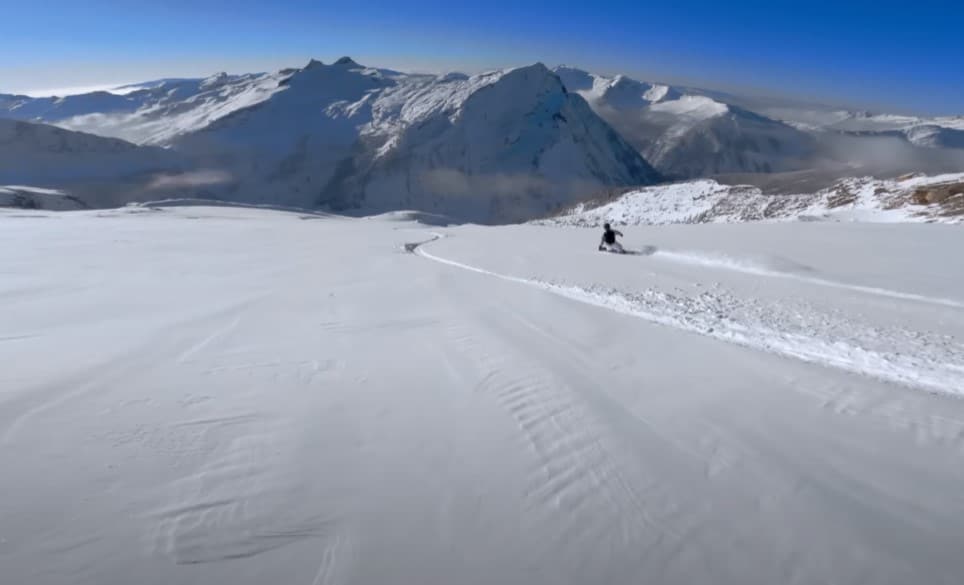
[
  {"x": 921, "y": 134},
  {"x": 27, "y": 197},
  {"x": 687, "y": 134},
  {"x": 861, "y": 121},
  {"x": 942, "y": 132},
  {"x": 908, "y": 199},
  {"x": 500, "y": 146},
  {"x": 619, "y": 92},
  {"x": 38, "y": 151},
  {"x": 149, "y": 113},
  {"x": 93, "y": 171},
  {"x": 697, "y": 132},
  {"x": 56, "y": 109}
]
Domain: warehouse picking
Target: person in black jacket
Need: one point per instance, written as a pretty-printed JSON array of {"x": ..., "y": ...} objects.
[{"x": 609, "y": 242}]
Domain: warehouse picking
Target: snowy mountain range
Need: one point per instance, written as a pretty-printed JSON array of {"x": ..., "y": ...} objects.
[{"x": 501, "y": 146}]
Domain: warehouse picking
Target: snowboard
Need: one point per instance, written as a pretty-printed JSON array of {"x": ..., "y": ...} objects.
[
  {"x": 646, "y": 251},
  {"x": 611, "y": 251}
]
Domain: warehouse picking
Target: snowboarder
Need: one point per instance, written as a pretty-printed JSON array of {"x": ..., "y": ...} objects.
[{"x": 609, "y": 242}]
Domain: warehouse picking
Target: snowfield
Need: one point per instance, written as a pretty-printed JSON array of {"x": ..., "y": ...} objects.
[{"x": 230, "y": 395}]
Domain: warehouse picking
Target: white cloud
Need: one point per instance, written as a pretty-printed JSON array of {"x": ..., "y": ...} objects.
[
  {"x": 202, "y": 178},
  {"x": 74, "y": 90}
]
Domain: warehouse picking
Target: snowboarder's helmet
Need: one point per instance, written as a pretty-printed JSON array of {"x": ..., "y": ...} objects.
[{"x": 606, "y": 226}]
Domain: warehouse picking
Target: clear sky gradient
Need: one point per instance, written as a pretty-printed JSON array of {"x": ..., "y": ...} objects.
[{"x": 906, "y": 57}]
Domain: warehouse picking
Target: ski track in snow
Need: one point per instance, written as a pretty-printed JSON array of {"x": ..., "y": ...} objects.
[
  {"x": 330, "y": 568},
  {"x": 758, "y": 269},
  {"x": 935, "y": 365}
]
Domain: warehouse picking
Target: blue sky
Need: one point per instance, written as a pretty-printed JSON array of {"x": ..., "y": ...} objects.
[{"x": 898, "y": 56}]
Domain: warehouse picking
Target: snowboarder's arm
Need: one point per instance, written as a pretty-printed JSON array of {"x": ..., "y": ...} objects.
[{"x": 620, "y": 234}]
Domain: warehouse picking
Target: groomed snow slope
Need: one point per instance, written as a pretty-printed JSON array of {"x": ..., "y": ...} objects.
[{"x": 239, "y": 396}]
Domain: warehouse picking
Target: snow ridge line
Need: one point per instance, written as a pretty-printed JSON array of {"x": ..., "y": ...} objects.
[
  {"x": 735, "y": 265},
  {"x": 932, "y": 375}
]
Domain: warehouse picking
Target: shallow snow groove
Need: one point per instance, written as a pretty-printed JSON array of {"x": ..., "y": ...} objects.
[{"x": 918, "y": 365}]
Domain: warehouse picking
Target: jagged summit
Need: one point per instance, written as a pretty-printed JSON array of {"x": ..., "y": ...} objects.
[
  {"x": 537, "y": 70},
  {"x": 345, "y": 61},
  {"x": 574, "y": 79},
  {"x": 214, "y": 80},
  {"x": 452, "y": 76}
]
